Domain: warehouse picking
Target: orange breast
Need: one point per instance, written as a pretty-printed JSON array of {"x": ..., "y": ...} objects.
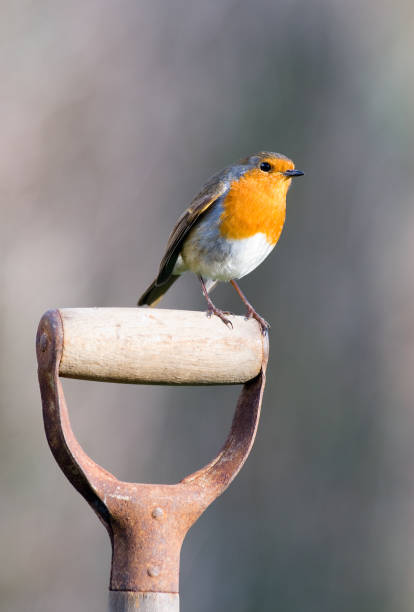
[{"x": 255, "y": 203}]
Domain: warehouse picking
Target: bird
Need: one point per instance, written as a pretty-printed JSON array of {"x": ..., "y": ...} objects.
[{"x": 229, "y": 228}]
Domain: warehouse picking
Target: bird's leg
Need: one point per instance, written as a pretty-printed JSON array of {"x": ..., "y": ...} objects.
[
  {"x": 251, "y": 313},
  {"x": 211, "y": 308}
]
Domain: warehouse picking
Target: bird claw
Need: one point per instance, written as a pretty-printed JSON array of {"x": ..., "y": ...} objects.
[
  {"x": 221, "y": 315},
  {"x": 252, "y": 314}
]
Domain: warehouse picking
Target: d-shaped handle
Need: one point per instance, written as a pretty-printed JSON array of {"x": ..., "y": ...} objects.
[{"x": 147, "y": 523}]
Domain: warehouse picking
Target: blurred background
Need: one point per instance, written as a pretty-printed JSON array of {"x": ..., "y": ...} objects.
[{"x": 112, "y": 116}]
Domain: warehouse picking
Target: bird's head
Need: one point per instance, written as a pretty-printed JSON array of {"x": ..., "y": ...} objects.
[
  {"x": 269, "y": 172},
  {"x": 275, "y": 166}
]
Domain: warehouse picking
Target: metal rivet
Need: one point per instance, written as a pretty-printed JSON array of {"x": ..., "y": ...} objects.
[
  {"x": 157, "y": 512},
  {"x": 44, "y": 341},
  {"x": 153, "y": 571}
]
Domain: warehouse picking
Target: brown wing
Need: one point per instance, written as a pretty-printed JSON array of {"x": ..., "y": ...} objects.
[{"x": 201, "y": 203}]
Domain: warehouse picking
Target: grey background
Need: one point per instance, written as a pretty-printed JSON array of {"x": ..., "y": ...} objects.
[{"x": 112, "y": 116}]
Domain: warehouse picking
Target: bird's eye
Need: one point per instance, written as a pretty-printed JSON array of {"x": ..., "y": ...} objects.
[{"x": 265, "y": 167}]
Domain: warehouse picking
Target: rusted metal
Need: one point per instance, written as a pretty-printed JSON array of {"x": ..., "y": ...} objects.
[{"x": 146, "y": 523}]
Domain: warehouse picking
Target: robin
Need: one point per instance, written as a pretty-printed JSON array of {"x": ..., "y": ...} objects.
[{"x": 229, "y": 228}]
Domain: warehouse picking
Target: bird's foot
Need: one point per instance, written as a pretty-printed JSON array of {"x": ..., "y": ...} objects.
[
  {"x": 252, "y": 314},
  {"x": 212, "y": 310}
]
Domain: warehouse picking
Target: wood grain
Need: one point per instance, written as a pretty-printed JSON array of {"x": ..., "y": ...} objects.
[
  {"x": 158, "y": 346},
  {"x": 128, "y": 601}
]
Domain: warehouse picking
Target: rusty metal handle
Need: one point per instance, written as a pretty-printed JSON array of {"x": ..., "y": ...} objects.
[{"x": 146, "y": 523}]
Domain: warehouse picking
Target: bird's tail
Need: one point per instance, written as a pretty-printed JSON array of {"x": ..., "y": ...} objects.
[{"x": 155, "y": 292}]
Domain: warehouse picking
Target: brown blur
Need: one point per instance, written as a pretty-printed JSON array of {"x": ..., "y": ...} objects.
[{"x": 112, "y": 116}]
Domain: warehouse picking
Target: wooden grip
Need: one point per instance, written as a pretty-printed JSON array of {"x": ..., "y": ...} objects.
[{"x": 157, "y": 346}]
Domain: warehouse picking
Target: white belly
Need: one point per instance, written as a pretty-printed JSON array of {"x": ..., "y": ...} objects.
[{"x": 216, "y": 258}]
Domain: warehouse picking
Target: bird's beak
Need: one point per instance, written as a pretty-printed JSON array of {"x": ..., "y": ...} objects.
[{"x": 292, "y": 173}]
